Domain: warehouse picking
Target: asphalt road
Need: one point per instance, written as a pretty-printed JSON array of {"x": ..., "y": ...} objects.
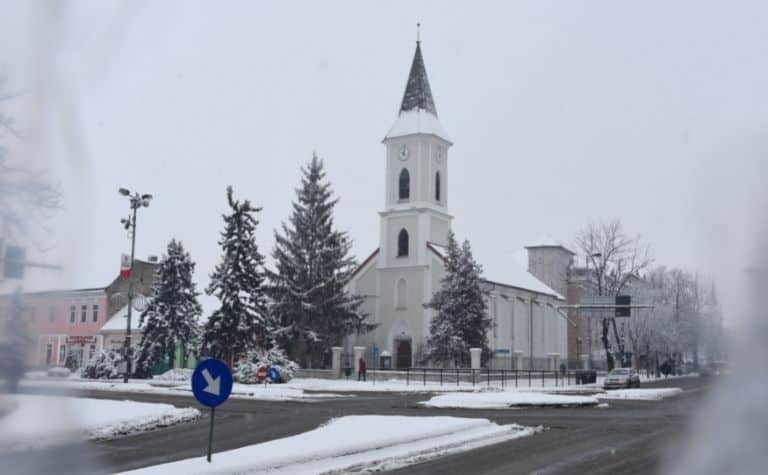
[{"x": 628, "y": 437}]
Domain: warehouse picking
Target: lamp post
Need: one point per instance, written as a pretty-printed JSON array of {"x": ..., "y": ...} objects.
[
  {"x": 136, "y": 201},
  {"x": 587, "y": 280}
]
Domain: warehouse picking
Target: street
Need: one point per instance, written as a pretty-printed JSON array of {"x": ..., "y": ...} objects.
[{"x": 628, "y": 437}]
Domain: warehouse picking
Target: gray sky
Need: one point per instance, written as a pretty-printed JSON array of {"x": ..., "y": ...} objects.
[{"x": 561, "y": 112}]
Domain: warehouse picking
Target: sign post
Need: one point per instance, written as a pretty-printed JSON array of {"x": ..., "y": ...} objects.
[
  {"x": 262, "y": 375},
  {"x": 211, "y": 385}
]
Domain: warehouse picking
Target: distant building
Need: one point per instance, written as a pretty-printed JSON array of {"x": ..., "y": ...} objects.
[
  {"x": 62, "y": 324},
  {"x": 59, "y": 324},
  {"x": 403, "y": 273}
]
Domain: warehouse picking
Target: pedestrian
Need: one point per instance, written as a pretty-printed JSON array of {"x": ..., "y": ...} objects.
[
  {"x": 361, "y": 369},
  {"x": 562, "y": 369}
]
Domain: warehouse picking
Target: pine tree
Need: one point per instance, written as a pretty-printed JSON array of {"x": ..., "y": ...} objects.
[
  {"x": 460, "y": 320},
  {"x": 241, "y": 323},
  {"x": 170, "y": 320},
  {"x": 313, "y": 266}
]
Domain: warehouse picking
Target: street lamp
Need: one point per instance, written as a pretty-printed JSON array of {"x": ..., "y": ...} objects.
[
  {"x": 136, "y": 201},
  {"x": 589, "y": 320}
]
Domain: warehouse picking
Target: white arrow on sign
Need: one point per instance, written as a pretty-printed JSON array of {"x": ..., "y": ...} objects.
[{"x": 213, "y": 384}]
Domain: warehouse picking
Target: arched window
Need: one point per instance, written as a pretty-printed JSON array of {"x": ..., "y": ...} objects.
[
  {"x": 402, "y": 243},
  {"x": 400, "y": 294},
  {"x": 437, "y": 186},
  {"x": 405, "y": 185}
]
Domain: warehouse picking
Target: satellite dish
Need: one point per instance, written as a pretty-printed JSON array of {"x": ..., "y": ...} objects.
[{"x": 140, "y": 303}]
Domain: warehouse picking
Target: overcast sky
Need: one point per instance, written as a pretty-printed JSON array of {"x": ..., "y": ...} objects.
[{"x": 562, "y": 113}]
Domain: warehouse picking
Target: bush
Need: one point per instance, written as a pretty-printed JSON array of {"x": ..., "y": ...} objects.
[
  {"x": 103, "y": 365},
  {"x": 245, "y": 372}
]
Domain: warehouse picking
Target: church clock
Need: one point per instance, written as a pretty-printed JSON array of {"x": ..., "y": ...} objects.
[{"x": 403, "y": 152}]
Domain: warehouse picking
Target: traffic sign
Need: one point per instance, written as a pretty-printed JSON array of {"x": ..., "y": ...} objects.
[
  {"x": 274, "y": 375},
  {"x": 262, "y": 373},
  {"x": 211, "y": 385},
  {"x": 211, "y": 382}
]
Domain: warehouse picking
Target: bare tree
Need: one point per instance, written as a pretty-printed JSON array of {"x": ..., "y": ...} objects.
[
  {"x": 616, "y": 259},
  {"x": 24, "y": 191}
]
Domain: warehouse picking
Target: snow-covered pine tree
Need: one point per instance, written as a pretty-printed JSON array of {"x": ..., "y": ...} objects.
[
  {"x": 460, "y": 320},
  {"x": 170, "y": 320},
  {"x": 241, "y": 323},
  {"x": 313, "y": 265}
]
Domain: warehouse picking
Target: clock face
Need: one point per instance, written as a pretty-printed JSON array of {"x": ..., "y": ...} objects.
[
  {"x": 403, "y": 152},
  {"x": 439, "y": 154}
]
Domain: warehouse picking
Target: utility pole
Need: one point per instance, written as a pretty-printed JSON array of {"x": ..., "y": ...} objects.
[{"x": 136, "y": 201}]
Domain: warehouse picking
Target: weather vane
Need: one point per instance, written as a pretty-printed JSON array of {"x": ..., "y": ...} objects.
[{"x": 418, "y": 32}]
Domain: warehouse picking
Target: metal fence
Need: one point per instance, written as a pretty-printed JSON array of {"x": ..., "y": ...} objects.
[{"x": 490, "y": 377}]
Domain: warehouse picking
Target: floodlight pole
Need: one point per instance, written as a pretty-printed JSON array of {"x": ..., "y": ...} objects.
[
  {"x": 136, "y": 201},
  {"x": 127, "y": 348}
]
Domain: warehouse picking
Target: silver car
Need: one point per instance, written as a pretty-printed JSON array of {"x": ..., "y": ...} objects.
[{"x": 622, "y": 378}]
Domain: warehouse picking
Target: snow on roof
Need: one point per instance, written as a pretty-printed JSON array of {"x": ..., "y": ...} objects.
[
  {"x": 119, "y": 321},
  {"x": 417, "y": 121},
  {"x": 548, "y": 241},
  {"x": 514, "y": 276}
]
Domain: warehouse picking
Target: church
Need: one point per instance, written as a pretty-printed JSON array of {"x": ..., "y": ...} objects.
[{"x": 400, "y": 276}]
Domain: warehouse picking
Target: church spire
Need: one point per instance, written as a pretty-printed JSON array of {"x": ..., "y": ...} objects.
[{"x": 418, "y": 95}]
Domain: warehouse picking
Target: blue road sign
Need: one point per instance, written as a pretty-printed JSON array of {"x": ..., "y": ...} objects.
[
  {"x": 274, "y": 375},
  {"x": 211, "y": 382}
]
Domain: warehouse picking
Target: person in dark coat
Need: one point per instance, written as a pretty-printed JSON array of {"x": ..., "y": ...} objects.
[{"x": 361, "y": 369}]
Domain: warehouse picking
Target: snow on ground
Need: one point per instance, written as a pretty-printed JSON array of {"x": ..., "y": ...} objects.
[
  {"x": 653, "y": 394},
  {"x": 28, "y": 421},
  {"x": 353, "y": 443},
  {"x": 506, "y": 399},
  {"x": 274, "y": 392}
]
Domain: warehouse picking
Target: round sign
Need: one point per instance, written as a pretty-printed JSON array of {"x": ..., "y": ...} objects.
[
  {"x": 262, "y": 373},
  {"x": 212, "y": 382},
  {"x": 274, "y": 375}
]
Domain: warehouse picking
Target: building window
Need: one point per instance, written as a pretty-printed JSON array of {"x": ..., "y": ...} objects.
[
  {"x": 51, "y": 314},
  {"x": 405, "y": 185},
  {"x": 402, "y": 243},
  {"x": 72, "y": 314},
  {"x": 95, "y": 313},
  {"x": 437, "y": 186},
  {"x": 401, "y": 295},
  {"x": 83, "y": 313}
]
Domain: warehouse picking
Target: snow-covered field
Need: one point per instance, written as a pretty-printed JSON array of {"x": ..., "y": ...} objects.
[
  {"x": 506, "y": 399},
  {"x": 28, "y": 421},
  {"x": 652, "y": 394},
  {"x": 353, "y": 443}
]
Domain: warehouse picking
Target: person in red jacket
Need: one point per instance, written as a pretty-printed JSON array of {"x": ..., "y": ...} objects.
[{"x": 361, "y": 369}]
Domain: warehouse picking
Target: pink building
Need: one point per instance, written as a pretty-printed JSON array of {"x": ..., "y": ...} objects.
[{"x": 59, "y": 323}]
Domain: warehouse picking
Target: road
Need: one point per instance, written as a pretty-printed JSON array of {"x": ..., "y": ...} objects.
[{"x": 628, "y": 437}]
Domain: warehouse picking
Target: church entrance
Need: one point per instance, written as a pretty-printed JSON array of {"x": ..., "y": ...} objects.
[{"x": 403, "y": 354}]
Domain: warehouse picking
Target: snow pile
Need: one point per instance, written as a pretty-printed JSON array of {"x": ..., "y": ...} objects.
[
  {"x": 362, "y": 443},
  {"x": 245, "y": 372},
  {"x": 506, "y": 399},
  {"x": 655, "y": 394},
  {"x": 38, "y": 421},
  {"x": 176, "y": 374},
  {"x": 103, "y": 365}
]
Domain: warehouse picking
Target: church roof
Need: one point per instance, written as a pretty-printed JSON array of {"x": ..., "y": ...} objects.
[
  {"x": 515, "y": 276},
  {"x": 418, "y": 114},
  {"x": 418, "y": 94}
]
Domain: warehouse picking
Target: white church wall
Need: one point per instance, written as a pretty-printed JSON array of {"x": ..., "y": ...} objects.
[{"x": 394, "y": 224}]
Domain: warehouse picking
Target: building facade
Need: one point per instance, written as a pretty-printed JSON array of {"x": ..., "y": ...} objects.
[
  {"x": 403, "y": 273},
  {"x": 58, "y": 325}
]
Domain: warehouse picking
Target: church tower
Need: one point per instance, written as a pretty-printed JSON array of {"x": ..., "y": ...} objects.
[
  {"x": 415, "y": 214},
  {"x": 416, "y": 201}
]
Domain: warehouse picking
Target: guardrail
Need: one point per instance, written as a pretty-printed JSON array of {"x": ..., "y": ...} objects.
[{"x": 487, "y": 376}]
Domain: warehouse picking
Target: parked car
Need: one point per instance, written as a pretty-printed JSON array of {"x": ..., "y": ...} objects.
[{"x": 622, "y": 378}]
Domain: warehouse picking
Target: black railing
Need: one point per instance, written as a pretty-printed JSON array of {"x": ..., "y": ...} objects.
[{"x": 489, "y": 377}]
